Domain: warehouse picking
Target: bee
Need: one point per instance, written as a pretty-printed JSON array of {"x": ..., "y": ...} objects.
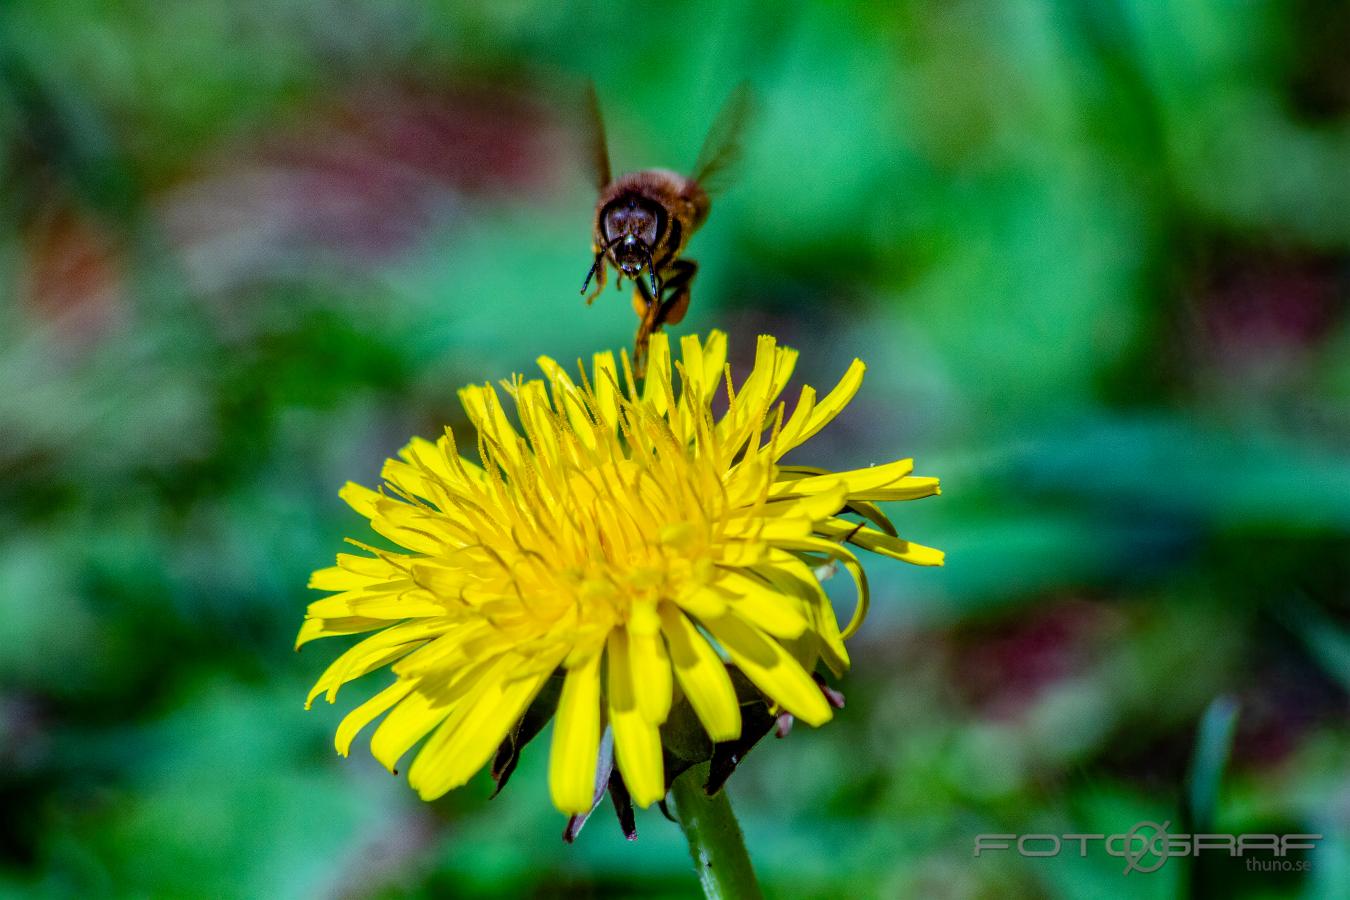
[{"x": 643, "y": 220}]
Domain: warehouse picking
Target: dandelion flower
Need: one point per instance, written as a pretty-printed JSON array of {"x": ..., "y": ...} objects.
[{"x": 625, "y": 538}]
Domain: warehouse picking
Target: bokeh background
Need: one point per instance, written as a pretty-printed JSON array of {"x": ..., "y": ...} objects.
[{"x": 1097, "y": 255}]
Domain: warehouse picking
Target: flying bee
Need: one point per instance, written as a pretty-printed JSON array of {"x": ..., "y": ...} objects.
[{"x": 643, "y": 220}]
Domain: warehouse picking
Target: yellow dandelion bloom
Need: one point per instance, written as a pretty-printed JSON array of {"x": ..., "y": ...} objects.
[{"x": 623, "y": 536}]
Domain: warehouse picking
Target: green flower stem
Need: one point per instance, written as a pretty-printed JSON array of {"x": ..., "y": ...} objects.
[{"x": 714, "y": 836}]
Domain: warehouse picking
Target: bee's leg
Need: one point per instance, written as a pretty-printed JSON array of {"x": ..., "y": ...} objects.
[
  {"x": 676, "y": 304},
  {"x": 648, "y": 308},
  {"x": 642, "y": 299}
]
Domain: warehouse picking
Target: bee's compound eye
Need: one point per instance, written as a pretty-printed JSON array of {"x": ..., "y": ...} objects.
[{"x": 632, "y": 219}]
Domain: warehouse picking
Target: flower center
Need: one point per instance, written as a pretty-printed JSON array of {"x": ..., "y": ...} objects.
[{"x": 639, "y": 541}]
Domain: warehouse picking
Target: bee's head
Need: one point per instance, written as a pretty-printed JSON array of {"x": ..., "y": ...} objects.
[
  {"x": 631, "y": 254},
  {"x": 630, "y": 227},
  {"x": 631, "y": 219}
]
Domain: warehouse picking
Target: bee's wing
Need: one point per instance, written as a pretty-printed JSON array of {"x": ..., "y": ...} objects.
[
  {"x": 722, "y": 147},
  {"x": 594, "y": 128}
]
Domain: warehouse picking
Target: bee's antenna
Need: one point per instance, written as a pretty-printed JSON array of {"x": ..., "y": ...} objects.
[
  {"x": 599, "y": 260},
  {"x": 599, "y": 256},
  {"x": 651, "y": 274}
]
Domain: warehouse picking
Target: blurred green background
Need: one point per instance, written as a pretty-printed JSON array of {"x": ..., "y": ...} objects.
[{"x": 1096, "y": 254}]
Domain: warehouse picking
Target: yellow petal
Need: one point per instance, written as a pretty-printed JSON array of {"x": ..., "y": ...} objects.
[
  {"x": 576, "y": 739},
  {"x": 859, "y": 481},
  {"x": 485, "y": 411},
  {"x": 538, "y": 423},
  {"x": 656, "y": 386},
  {"x": 445, "y": 653},
  {"x": 913, "y": 488},
  {"x": 770, "y": 609},
  {"x": 883, "y": 544},
  {"x": 651, "y": 674},
  {"x": 702, "y": 676},
  {"x": 637, "y": 742},
  {"x": 445, "y": 581},
  {"x": 844, "y": 557},
  {"x": 872, "y": 513},
  {"x": 714, "y": 358},
  {"x": 373, "y": 652},
  {"x": 793, "y": 576},
  {"x": 367, "y": 712},
  {"x": 772, "y": 369},
  {"x": 402, "y": 603},
  {"x": 773, "y": 530},
  {"x": 703, "y": 364},
  {"x": 472, "y": 732},
  {"x": 568, "y": 400},
  {"x": 338, "y": 578},
  {"x": 360, "y": 498},
  {"x": 372, "y": 566},
  {"x": 740, "y": 552},
  {"x": 828, "y": 500},
  {"x": 745, "y": 413},
  {"x": 771, "y": 668},
  {"x": 691, "y": 359},
  {"x": 409, "y": 479},
  {"x": 432, "y": 457},
  {"x": 356, "y": 662},
  {"x": 801, "y": 414},
  {"x": 407, "y": 724},
  {"x": 801, "y": 428},
  {"x": 409, "y": 526},
  {"x": 703, "y": 602},
  {"x": 313, "y": 629},
  {"x": 606, "y": 389}
]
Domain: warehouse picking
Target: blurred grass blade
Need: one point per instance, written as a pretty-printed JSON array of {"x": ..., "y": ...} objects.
[
  {"x": 1213, "y": 743},
  {"x": 1328, "y": 644}
]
